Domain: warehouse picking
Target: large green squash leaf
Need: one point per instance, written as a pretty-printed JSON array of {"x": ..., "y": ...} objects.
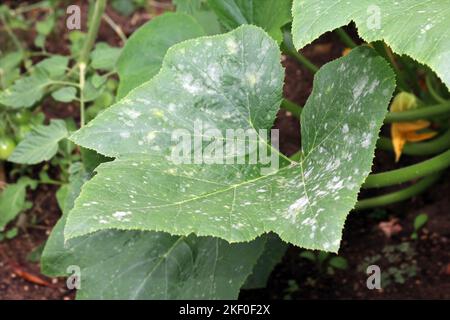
[
  {"x": 414, "y": 27},
  {"x": 274, "y": 250},
  {"x": 144, "y": 51},
  {"x": 268, "y": 14},
  {"x": 200, "y": 10},
  {"x": 148, "y": 265},
  {"x": 220, "y": 81}
]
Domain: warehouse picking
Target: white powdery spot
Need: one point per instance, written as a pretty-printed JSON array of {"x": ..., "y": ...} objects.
[
  {"x": 133, "y": 114},
  {"x": 119, "y": 215},
  {"x": 232, "y": 46},
  {"x": 151, "y": 136},
  {"x": 366, "y": 140},
  {"x": 345, "y": 128},
  {"x": 214, "y": 72},
  {"x": 125, "y": 134},
  {"x": 373, "y": 86},
  {"x": 252, "y": 78},
  {"x": 189, "y": 84},
  {"x": 359, "y": 87},
  {"x": 298, "y": 206}
]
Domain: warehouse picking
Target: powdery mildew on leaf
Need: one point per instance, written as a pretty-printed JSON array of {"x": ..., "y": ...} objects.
[
  {"x": 305, "y": 203},
  {"x": 148, "y": 265},
  {"x": 414, "y": 27}
]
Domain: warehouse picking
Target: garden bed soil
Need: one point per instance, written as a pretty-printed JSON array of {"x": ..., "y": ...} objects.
[{"x": 294, "y": 277}]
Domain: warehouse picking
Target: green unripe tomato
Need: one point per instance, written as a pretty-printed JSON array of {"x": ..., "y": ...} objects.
[
  {"x": 22, "y": 131},
  {"x": 21, "y": 117},
  {"x": 7, "y": 146},
  {"x": 104, "y": 100},
  {"x": 111, "y": 84}
]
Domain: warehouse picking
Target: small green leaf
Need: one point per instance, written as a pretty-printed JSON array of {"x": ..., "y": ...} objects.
[
  {"x": 420, "y": 221},
  {"x": 308, "y": 255},
  {"x": 12, "y": 200},
  {"x": 104, "y": 57},
  {"x": 44, "y": 27},
  {"x": 338, "y": 263},
  {"x": 41, "y": 144},
  {"x": 65, "y": 94},
  {"x": 144, "y": 51},
  {"x": 12, "y": 233},
  {"x": 26, "y": 91},
  {"x": 98, "y": 81}
]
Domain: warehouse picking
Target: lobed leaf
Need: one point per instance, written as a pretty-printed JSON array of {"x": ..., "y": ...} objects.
[
  {"x": 220, "y": 81},
  {"x": 144, "y": 51},
  {"x": 267, "y": 14},
  {"x": 148, "y": 265},
  {"x": 413, "y": 27}
]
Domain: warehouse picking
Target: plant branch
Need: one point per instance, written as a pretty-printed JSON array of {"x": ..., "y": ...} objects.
[
  {"x": 432, "y": 91},
  {"x": 345, "y": 38},
  {"x": 397, "y": 196},
  {"x": 292, "y": 107},
  {"x": 93, "y": 31},
  {"x": 414, "y": 171},
  {"x": 400, "y": 81},
  {"x": 85, "y": 51},
  {"x": 288, "y": 48},
  {"x": 419, "y": 114},
  {"x": 437, "y": 145},
  {"x": 11, "y": 33}
]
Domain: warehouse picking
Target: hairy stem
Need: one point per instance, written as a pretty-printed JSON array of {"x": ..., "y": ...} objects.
[
  {"x": 345, "y": 38},
  {"x": 434, "y": 94},
  {"x": 414, "y": 171},
  {"x": 427, "y": 112},
  {"x": 397, "y": 196},
  {"x": 86, "y": 50},
  {"x": 288, "y": 48},
  {"x": 437, "y": 145},
  {"x": 292, "y": 107},
  {"x": 93, "y": 31}
]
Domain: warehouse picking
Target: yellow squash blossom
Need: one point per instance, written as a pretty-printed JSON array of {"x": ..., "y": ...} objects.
[{"x": 402, "y": 132}]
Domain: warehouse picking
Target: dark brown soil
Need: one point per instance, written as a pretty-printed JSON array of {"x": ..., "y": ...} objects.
[{"x": 295, "y": 277}]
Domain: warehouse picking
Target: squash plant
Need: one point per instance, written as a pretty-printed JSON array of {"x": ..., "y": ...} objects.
[{"x": 140, "y": 226}]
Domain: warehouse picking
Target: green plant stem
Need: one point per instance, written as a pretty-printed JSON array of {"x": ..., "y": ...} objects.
[
  {"x": 82, "y": 66},
  {"x": 86, "y": 50},
  {"x": 288, "y": 48},
  {"x": 11, "y": 33},
  {"x": 432, "y": 91},
  {"x": 437, "y": 145},
  {"x": 414, "y": 171},
  {"x": 397, "y": 196},
  {"x": 420, "y": 113},
  {"x": 93, "y": 31},
  {"x": 345, "y": 38},
  {"x": 292, "y": 107}
]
